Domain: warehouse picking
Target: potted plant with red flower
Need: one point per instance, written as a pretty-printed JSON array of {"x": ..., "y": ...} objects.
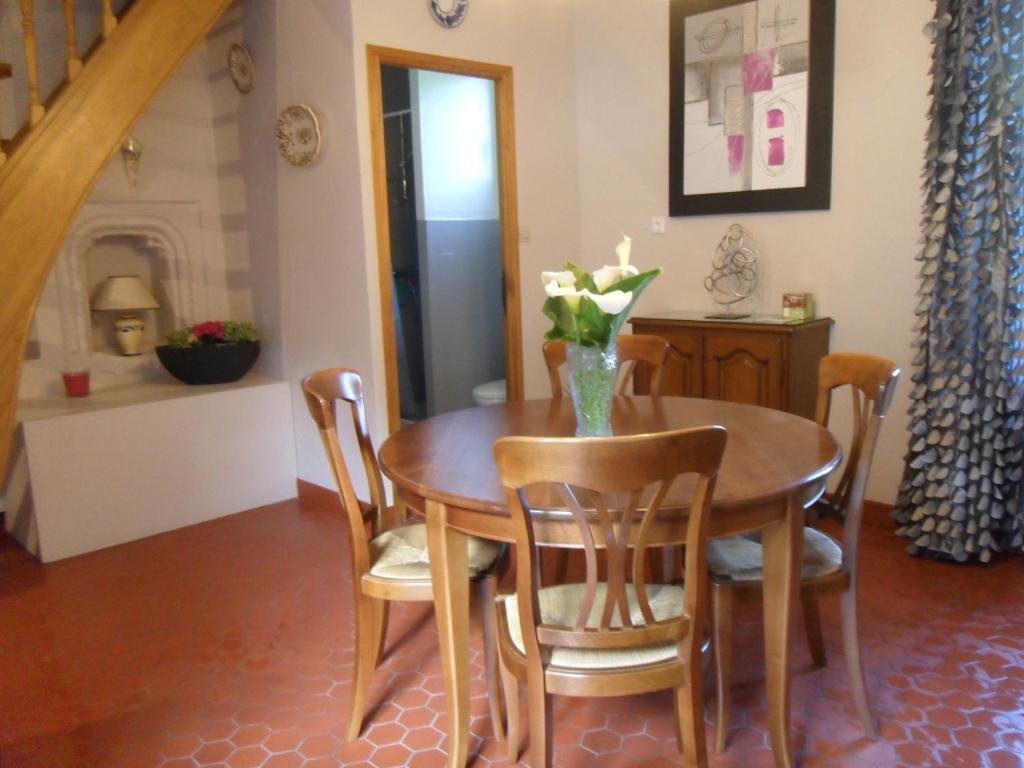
[{"x": 211, "y": 352}]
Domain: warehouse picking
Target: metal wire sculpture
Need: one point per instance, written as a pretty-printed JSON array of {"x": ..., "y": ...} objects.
[{"x": 733, "y": 271}]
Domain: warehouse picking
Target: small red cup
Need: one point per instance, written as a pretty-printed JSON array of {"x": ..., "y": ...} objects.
[{"x": 76, "y": 383}]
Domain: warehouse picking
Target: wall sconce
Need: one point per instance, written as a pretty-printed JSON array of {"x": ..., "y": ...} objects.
[
  {"x": 131, "y": 153},
  {"x": 125, "y": 294}
]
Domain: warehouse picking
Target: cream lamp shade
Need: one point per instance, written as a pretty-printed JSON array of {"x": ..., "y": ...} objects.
[{"x": 125, "y": 294}]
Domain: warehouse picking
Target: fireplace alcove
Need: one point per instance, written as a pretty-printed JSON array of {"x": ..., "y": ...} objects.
[
  {"x": 162, "y": 243},
  {"x": 143, "y": 453}
]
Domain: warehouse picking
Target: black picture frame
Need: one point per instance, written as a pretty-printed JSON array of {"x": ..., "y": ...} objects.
[{"x": 816, "y": 194}]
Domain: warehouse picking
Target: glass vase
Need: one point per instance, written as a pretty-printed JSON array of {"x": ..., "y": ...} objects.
[{"x": 592, "y": 374}]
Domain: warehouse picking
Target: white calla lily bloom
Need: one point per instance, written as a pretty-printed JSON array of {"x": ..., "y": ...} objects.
[
  {"x": 607, "y": 276},
  {"x": 613, "y": 303},
  {"x": 622, "y": 250},
  {"x": 566, "y": 279},
  {"x": 571, "y": 295}
]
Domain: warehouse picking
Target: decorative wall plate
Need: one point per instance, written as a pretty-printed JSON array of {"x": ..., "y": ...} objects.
[
  {"x": 241, "y": 68},
  {"x": 298, "y": 135},
  {"x": 453, "y": 16}
]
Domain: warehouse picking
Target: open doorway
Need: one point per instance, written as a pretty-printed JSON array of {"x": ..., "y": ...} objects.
[{"x": 446, "y": 232}]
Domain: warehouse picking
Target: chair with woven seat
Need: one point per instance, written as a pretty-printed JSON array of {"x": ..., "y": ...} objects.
[
  {"x": 390, "y": 563},
  {"x": 633, "y": 349},
  {"x": 829, "y": 566},
  {"x": 620, "y": 635}
]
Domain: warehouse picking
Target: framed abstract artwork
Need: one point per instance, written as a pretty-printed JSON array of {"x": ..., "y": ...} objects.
[{"x": 750, "y": 105}]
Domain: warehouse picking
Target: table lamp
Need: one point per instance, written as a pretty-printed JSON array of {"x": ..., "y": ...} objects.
[{"x": 125, "y": 294}]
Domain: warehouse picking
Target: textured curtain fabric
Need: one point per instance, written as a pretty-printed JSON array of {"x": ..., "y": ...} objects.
[{"x": 961, "y": 491}]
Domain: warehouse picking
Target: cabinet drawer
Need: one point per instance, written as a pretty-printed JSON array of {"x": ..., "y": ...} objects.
[{"x": 744, "y": 368}]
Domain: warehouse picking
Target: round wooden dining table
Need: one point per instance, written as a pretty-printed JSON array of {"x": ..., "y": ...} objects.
[{"x": 774, "y": 465}]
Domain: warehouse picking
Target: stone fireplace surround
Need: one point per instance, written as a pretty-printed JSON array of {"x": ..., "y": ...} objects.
[{"x": 63, "y": 326}]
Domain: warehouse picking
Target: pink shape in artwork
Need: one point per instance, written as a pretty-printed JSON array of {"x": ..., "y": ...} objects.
[
  {"x": 757, "y": 71},
  {"x": 776, "y": 151},
  {"x": 776, "y": 118},
  {"x": 736, "y": 146}
]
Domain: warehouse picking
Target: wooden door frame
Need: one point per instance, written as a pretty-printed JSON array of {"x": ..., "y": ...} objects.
[{"x": 376, "y": 56}]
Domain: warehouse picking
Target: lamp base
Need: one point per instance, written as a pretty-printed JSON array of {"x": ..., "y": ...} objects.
[{"x": 129, "y": 334}]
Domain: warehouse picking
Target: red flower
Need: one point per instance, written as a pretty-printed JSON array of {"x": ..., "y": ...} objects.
[{"x": 209, "y": 332}]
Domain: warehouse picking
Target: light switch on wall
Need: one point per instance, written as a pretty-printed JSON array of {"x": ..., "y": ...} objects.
[
  {"x": 657, "y": 225},
  {"x": 524, "y": 234}
]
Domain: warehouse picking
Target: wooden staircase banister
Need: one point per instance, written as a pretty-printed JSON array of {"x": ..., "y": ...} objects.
[{"x": 48, "y": 176}]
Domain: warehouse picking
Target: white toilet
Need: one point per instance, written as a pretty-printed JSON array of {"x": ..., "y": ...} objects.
[{"x": 489, "y": 393}]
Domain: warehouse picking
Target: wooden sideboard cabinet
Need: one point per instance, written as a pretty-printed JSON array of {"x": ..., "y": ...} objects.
[{"x": 758, "y": 361}]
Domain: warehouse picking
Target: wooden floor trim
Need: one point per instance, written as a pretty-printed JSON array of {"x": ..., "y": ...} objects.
[{"x": 878, "y": 514}]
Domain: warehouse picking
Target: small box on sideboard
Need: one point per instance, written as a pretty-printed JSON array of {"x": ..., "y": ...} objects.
[
  {"x": 797, "y": 306},
  {"x": 762, "y": 360}
]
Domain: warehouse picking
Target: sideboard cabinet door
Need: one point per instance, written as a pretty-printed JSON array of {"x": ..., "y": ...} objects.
[
  {"x": 683, "y": 374},
  {"x": 747, "y": 361},
  {"x": 743, "y": 368}
]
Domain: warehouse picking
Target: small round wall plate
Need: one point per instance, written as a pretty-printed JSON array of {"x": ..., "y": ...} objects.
[
  {"x": 298, "y": 135},
  {"x": 241, "y": 68},
  {"x": 451, "y": 16}
]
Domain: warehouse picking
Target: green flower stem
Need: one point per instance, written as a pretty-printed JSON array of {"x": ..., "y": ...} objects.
[{"x": 592, "y": 374}]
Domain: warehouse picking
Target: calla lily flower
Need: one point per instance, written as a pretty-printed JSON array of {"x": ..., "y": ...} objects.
[
  {"x": 596, "y": 322},
  {"x": 613, "y": 303},
  {"x": 622, "y": 250},
  {"x": 607, "y": 276},
  {"x": 571, "y": 295},
  {"x": 566, "y": 279}
]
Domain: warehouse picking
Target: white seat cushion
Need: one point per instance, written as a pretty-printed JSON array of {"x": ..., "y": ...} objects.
[
  {"x": 401, "y": 553},
  {"x": 559, "y": 605},
  {"x": 742, "y": 559}
]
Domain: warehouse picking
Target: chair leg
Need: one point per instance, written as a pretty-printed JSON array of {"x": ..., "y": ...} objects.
[
  {"x": 812, "y": 625},
  {"x": 367, "y": 644},
  {"x": 488, "y": 608},
  {"x": 381, "y": 629},
  {"x": 851, "y": 647},
  {"x": 689, "y": 701},
  {"x": 510, "y": 687},
  {"x": 538, "y": 704},
  {"x": 721, "y": 639}
]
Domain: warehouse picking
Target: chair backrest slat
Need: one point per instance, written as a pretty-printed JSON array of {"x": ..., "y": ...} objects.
[
  {"x": 322, "y": 391},
  {"x": 614, "y": 488},
  {"x": 632, "y": 349},
  {"x": 872, "y": 381}
]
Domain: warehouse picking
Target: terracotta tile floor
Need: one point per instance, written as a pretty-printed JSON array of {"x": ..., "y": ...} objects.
[{"x": 229, "y": 644}]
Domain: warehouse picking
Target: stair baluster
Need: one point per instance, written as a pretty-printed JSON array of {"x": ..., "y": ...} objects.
[
  {"x": 109, "y": 20},
  {"x": 35, "y": 107},
  {"x": 74, "y": 62}
]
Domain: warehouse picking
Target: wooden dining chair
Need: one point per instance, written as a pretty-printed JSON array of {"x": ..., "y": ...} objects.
[
  {"x": 829, "y": 566},
  {"x": 391, "y": 562},
  {"x": 620, "y": 635},
  {"x": 633, "y": 349}
]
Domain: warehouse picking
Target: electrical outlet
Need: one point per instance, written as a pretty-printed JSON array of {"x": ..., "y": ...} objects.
[
  {"x": 657, "y": 225},
  {"x": 524, "y": 234}
]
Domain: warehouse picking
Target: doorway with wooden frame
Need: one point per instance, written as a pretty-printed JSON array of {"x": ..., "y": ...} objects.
[{"x": 443, "y": 141}]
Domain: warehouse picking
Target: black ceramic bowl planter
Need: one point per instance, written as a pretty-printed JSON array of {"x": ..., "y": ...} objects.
[{"x": 209, "y": 363}]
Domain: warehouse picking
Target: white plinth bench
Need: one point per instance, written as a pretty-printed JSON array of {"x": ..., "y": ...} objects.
[{"x": 129, "y": 462}]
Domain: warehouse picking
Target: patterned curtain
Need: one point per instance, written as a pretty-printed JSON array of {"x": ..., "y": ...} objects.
[{"x": 961, "y": 491}]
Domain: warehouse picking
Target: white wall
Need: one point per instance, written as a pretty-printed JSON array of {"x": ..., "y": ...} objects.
[
  {"x": 316, "y": 224},
  {"x": 306, "y": 237},
  {"x": 456, "y": 146},
  {"x": 857, "y": 258}
]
